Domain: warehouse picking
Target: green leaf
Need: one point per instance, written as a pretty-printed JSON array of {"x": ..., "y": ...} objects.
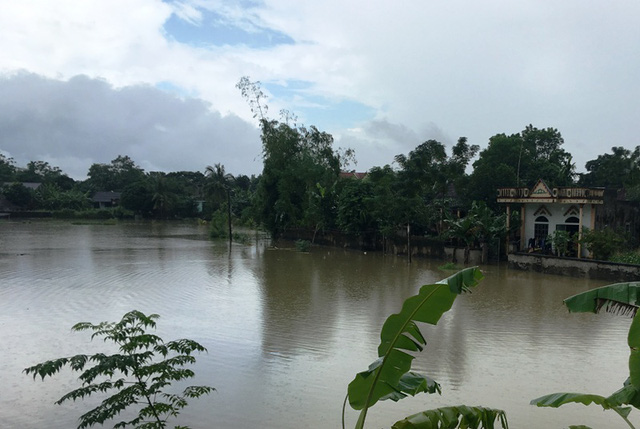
[
  {"x": 413, "y": 383},
  {"x": 461, "y": 416},
  {"x": 401, "y": 335},
  {"x": 556, "y": 400},
  {"x": 619, "y": 297}
]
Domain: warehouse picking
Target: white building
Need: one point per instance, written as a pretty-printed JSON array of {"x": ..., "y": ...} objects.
[{"x": 544, "y": 210}]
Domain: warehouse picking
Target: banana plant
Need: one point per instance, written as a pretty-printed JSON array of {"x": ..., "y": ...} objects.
[
  {"x": 390, "y": 376},
  {"x": 619, "y": 298}
]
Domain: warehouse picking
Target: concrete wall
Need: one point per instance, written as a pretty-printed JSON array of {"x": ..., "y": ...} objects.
[
  {"x": 475, "y": 255},
  {"x": 610, "y": 271}
]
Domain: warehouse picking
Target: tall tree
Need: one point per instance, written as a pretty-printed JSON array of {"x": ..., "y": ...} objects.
[
  {"x": 219, "y": 187},
  {"x": 121, "y": 172},
  {"x": 520, "y": 160},
  {"x": 620, "y": 168},
  {"x": 7, "y": 169},
  {"x": 298, "y": 162}
]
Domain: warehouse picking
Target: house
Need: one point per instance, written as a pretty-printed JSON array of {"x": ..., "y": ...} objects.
[
  {"x": 104, "y": 199},
  {"x": 544, "y": 210},
  {"x": 353, "y": 175}
]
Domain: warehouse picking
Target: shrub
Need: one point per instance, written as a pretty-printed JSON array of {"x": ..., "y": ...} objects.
[
  {"x": 603, "y": 243},
  {"x": 303, "y": 245}
]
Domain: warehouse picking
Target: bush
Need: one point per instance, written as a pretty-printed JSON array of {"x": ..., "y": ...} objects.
[
  {"x": 603, "y": 243},
  {"x": 303, "y": 245},
  {"x": 626, "y": 258},
  {"x": 219, "y": 227}
]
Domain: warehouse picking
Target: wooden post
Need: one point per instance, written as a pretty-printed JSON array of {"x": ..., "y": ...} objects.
[
  {"x": 409, "y": 240},
  {"x": 580, "y": 232},
  {"x": 229, "y": 215},
  {"x": 508, "y": 224},
  {"x": 523, "y": 238}
]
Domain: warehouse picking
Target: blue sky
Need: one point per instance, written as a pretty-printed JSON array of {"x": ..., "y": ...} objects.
[{"x": 381, "y": 77}]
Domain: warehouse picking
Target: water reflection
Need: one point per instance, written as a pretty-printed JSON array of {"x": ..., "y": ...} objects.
[{"x": 287, "y": 331}]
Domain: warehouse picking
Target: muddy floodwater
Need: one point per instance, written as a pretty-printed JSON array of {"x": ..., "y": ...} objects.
[{"x": 287, "y": 331}]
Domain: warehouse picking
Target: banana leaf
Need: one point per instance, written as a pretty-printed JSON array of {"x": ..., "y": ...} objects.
[
  {"x": 461, "y": 416},
  {"x": 401, "y": 335},
  {"x": 622, "y": 298},
  {"x": 556, "y": 400}
]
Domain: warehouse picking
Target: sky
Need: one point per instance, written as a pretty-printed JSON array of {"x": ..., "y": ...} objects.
[{"x": 83, "y": 81}]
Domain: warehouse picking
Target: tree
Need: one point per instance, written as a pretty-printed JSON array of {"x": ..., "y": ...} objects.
[
  {"x": 138, "y": 197},
  {"x": 618, "y": 169},
  {"x": 139, "y": 373},
  {"x": 116, "y": 176},
  {"x": 20, "y": 195},
  {"x": 520, "y": 160},
  {"x": 42, "y": 172},
  {"x": 7, "y": 169},
  {"x": 219, "y": 188},
  {"x": 356, "y": 207},
  {"x": 163, "y": 199},
  {"x": 296, "y": 160}
]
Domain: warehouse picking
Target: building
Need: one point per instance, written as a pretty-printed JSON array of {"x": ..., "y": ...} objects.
[
  {"x": 544, "y": 210},
  {"x": 104, "y": 199}
]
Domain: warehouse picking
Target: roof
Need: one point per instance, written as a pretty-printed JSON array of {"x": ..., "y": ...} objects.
[
  {"x": 353, "y": 175},
  {"x": 106, "y": 196}
]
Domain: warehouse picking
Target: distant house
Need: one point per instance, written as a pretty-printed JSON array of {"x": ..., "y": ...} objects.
[
  {"x": 106, "y": 199},
  {"x": 544, "y": 210},
  {"x": 353, "y": 175}
]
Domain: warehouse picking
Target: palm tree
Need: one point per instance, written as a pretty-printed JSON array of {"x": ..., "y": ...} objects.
[{"x": 219, "y": 186}]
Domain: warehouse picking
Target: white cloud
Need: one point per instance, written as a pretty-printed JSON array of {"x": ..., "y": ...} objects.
[
  {"x": 464, "y": 69},
  {"x": 83, "y": 121}
]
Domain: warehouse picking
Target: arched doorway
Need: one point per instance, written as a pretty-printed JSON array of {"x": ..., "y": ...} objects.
[{"x": 541, "y": 231}]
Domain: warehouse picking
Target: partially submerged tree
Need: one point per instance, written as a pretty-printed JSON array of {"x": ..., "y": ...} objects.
[{"x": 298, "y": 161}]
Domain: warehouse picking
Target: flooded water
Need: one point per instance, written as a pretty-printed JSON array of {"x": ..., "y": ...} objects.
[{"x": 286, "y": 331}]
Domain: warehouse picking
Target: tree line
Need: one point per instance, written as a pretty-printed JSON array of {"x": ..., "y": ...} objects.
[{"x": 307, "y": 183}]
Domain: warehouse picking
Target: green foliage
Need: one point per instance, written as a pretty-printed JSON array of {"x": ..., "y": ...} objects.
[
  {"x": 19, "y": 195},
  {"x": 116, "y": 176},
  {"x": 355, "y": 206},
  {"x": 632, "y": 257},
  {"x": 603, "y": 243},
  {"x": 139, "y": 374},
  {"x": 296, "y": 161},
  {"x": 454, "y": 417},
  {"x": 520, "y": 160},
  {"x": 7, "y": 169},
  {"x": 620, "y": 168},
  {"x": 390, "y": 376},
  {"x": 620, "y": 298},
  {"x": 303, "y": 245},
  {"x": 218, "y": 225},
  {"x": 561, "y": 241},
  {"x": 449, "y": 266}
]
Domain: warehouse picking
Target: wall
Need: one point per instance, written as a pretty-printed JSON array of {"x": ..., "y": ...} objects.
[
  {"x": 574, "y": 267},
  {"x": 557, "y": 217}
]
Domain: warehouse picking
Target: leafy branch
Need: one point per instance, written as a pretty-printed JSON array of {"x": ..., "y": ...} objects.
[{"x": 134, "y": 374}]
